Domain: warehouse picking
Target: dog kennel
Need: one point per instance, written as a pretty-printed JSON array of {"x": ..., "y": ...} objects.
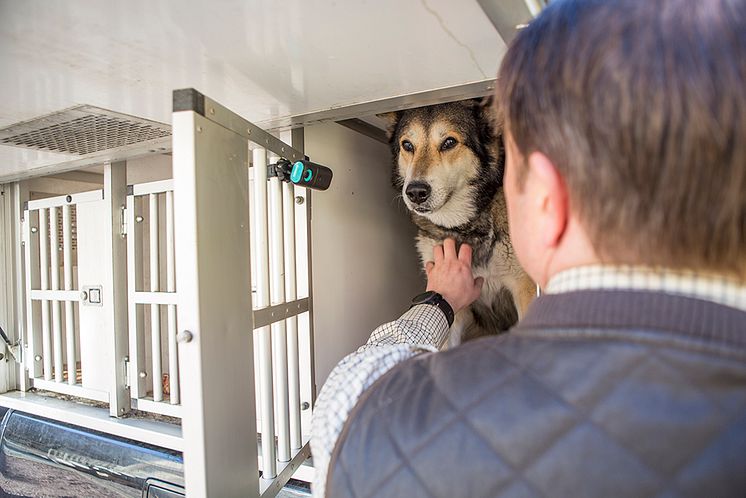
[{"x": 160, "y": 282}]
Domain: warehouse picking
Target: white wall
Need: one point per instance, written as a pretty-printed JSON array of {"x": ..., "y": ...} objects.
[
  {"x": 148, "y": 169},
  {"x": 365, "y": 267}
]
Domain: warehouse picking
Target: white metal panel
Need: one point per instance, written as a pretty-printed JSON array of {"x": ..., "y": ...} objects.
[
  {"x": 211, "y": 186},
  {"x": 114, "y": 284},
  {"x": 9, "y": 244},
  {"x": 262, "y": 58},
  {"x": 95, "y": 349}
]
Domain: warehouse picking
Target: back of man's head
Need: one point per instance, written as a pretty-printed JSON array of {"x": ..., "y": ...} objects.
[{"x": 641, "y": 106}]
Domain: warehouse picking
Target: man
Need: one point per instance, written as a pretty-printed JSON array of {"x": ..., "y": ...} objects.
[{"x": 625, "y": 124}]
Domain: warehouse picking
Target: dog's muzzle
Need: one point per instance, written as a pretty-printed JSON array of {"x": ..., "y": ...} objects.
[{"x": 418, "y": 192}]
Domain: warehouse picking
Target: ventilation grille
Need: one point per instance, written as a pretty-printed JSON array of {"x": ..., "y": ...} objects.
[{"x": 83, "y": 130}]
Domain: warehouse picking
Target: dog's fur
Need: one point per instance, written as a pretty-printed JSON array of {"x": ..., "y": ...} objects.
[{"x": 465, "y": 202}]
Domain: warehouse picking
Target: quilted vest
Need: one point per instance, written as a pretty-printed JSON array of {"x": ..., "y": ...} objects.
[{"x": 597, "y": 394}]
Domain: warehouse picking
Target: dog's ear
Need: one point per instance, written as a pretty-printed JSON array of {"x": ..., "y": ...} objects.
[
  {"x": 489, "y": 113},
  {"x": 491, "y": 130},
  {"x": 392, "y": 120},
  {"x": 485, "y": 112}
]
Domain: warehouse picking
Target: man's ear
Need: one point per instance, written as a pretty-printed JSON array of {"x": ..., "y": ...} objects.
[
  {"x": 392, "y": 120},
  {"x": 549, "y": 192}
]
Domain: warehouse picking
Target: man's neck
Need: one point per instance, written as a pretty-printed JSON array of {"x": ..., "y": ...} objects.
[{"x": 574, "y": 249}]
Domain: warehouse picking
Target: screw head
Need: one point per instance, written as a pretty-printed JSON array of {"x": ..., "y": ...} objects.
[
  {"x": 69, "y": 198},
  {"x": 84, "y": 296},
  {"x": 184, "y": 337},
  {"x": 34, "y": 229},
  {"x": 299, "y": 200},
  {"x": 37, "y": 357},
  {"x": 139, "y": 219},
  {"x": 143, "y": 374},
  {"x": 305, "y": 406}
]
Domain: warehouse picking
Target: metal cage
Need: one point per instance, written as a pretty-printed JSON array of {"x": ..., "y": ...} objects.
[{"x": 187, "y": 298}]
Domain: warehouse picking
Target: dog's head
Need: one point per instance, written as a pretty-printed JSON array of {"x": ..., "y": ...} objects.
[{"x": 447, "y": 160}]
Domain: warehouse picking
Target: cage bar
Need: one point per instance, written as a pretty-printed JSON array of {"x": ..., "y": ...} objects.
[
  {"x": 291, "y": 324},
  {"x": 155, "y": 316},
  {"x": 173, "y": 359},
  {"x": 279, "y": 337},
  {"x": 262, "y": 334},
  {"x": 54, "y": 252},
  {"x": 46, "y": 345},
  {"x": 67, "y": 247},
  {"x": 135, "y": 312}
]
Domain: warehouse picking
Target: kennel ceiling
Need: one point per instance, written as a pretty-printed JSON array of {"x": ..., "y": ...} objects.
[{"x": 274, "y": 62}]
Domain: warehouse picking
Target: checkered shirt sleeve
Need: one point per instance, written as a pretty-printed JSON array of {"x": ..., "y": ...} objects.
[{"x": 421, "y": 329}]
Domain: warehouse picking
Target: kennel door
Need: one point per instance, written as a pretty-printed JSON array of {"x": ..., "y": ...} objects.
[
  {"x": 69, "y": 295},
  {"x": 226, "y": 228}
]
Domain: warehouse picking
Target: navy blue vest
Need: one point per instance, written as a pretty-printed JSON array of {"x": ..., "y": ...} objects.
[{"x": 594, "y": 394}]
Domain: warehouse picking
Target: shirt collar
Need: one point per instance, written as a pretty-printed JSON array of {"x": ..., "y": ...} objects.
[{"x": 711, "y": 287}]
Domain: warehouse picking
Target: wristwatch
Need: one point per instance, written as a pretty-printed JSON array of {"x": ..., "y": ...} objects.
[{"x": 432, "y": 297}]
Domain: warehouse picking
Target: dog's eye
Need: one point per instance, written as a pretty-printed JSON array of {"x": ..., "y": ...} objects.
[
  {"x": 407, "y": 145},
  {"x": 448, "y": 143}
]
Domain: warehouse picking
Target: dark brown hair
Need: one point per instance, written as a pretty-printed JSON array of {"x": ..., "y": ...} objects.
[{"x": 641, "y": 105}]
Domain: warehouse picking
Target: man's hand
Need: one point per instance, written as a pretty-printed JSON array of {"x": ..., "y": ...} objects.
[{"x": 450, "y": 275}]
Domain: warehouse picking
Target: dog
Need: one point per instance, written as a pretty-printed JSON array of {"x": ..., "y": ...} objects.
[{"x": 448, "y": 164}]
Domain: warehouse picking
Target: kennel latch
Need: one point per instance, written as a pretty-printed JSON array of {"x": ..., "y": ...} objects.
[{"x": 302, "y": 173}]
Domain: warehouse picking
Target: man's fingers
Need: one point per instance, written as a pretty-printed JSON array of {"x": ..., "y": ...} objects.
[
  {"x": 438, "y": 253},
  {"x": 464, "y": 254},
  {"x": 429, "y": 267},
  {"x": 449, "y": 248}
]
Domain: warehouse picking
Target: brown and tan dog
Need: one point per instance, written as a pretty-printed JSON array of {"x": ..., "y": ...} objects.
[{"x": 448, "y": 166}]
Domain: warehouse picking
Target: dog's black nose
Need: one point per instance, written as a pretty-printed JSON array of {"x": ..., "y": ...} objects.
[{"x": 418, "y": 192}]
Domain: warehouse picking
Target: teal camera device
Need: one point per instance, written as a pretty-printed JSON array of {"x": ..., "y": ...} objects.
[{"x": 304, "y": 174}]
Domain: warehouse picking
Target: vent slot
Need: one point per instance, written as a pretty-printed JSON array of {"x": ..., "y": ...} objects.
[{"x": 83, "y": 130}]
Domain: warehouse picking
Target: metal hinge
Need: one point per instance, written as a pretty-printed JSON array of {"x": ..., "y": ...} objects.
[
  {"x": 127, "y": 372},
  {"x": 123, "y": 222}
]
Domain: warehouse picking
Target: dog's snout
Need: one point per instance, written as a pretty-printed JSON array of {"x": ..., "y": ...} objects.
[{"x": 418, "y": 192}]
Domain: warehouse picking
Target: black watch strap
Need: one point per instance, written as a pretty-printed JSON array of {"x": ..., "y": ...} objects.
[{"x": 435, "y": 299}]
